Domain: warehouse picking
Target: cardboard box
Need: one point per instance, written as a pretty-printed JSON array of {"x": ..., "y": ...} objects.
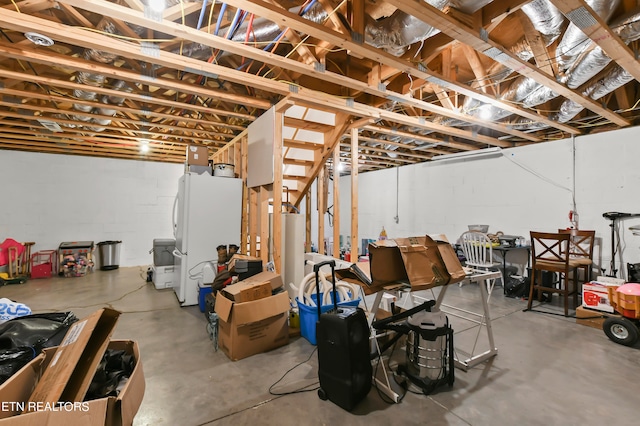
[
  {"x": 68, "y": 375},
  {"x": 197, "y": 155},
  {"x": 254, "y": 327},
  {"x": 596, "y": 296},
  {"x": 422, "y": 261},
  {"x": 110, "y": 411},
  {"x": 247, "y": 291},
  {"x": 590, "y": 317},
  {"x": 275, "y": 280}
]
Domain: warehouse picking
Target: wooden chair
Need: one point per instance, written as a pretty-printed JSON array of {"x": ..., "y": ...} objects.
[
  {"x": 478, "y": 250},
  {"x": 581, "y": 249},
  {"x": 550, "y": 252}
]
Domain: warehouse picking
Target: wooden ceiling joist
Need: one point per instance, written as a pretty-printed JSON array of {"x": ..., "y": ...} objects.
[{"x": 486, "y": 46}]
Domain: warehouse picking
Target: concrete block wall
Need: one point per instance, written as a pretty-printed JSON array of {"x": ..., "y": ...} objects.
[
  {"x": 525, "y": 189},
  {"x": 54, "y": 198}
]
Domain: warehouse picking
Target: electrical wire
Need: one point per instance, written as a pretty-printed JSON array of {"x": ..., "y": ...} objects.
[
  {"x": 536, "y": 174},
  {"x": 300, "y": 390}
]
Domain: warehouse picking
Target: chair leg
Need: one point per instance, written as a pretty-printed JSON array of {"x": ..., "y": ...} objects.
[
  {"x": 531, "y": 286},
  {"x": 575, "y": 288}
]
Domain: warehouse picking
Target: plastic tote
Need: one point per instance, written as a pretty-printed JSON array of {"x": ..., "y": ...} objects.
[
  {"x": 309, "y": 315},
  {"x": 109, "y": 255}
]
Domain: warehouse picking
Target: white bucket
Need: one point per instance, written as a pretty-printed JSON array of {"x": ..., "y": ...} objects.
[{"x": 224, "y": 170}]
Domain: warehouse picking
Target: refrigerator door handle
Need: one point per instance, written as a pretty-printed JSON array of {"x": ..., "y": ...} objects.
[{"x": 173, "y": 216}]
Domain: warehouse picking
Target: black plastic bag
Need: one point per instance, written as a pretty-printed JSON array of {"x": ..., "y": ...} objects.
[
  {"x": 38, "y": 331},
  {"x": 517, "y": 287},
  {"x": 115, "y": 367},
  {"x": 22, "y": 338},
  {"x": 12, "y": 360}
]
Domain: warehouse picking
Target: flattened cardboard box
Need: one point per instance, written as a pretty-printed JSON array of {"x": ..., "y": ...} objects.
[
  {"x": 109, "y": 411},
  {"x": 247, "y": 291},
  {"x": 422, "y": 261},
  {"x": 254, "y": 327},
  {"x": 69, "y": 374}
]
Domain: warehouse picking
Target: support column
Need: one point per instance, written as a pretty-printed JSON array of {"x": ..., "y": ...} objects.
[
  {"x": 321, "y": 210},
  {"x": 336, "y": 203},
  {"x": 354, "y": 195}
]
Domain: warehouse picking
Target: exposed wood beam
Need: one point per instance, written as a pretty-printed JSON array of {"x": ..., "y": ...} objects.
[
  {"x": 534, "y": 38},
  {"x": 100, "y": 6},
  {"x": 377, "y": 55},
  {"x": 331, "y": 140},
  {"x": 307, "y": 125},
  {"x": 51, "y": 59},
  {"x": 402, "y": 157},
  {"x": 478, "y": 69},
  {"x": 592, "y": 25},
  {"x": 354, "y": 194},
  {"x": 497, "y": 10},
  {"x": 87, "y": 152},
  {"x": 170, "y": 127},
  {"x": 138, "y": 113},
  {"x": 131, "y": 132},
  {"x": 288, "y": 143},
  {"x": 488, "y": 47}
]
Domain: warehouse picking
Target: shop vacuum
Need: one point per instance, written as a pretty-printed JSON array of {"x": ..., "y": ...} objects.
[{"x": 429, "y": 361}]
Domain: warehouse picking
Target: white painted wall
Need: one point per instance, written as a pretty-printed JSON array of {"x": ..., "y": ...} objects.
[
  {"x": 54, "y": 198},
  {"x": 50, "y": 198},
  {"x": 528, "y": 188}
]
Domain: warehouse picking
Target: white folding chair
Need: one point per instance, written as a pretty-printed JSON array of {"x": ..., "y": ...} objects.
[{"x": 478, "y": 251}]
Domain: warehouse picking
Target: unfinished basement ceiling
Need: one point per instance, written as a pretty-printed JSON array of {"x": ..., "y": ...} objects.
[{"x": 418, "y": 79}]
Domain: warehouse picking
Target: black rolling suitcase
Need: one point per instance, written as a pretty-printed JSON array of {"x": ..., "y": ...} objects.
[{"x": 344, "y": 366}]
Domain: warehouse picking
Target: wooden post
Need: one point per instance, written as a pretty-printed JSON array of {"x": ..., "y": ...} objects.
[
  {"x": 336, "y": 202},
  {"x": 277, "y": 193},
  {"x": 321, "y": 210},
  {"x": 244, "y": 240},
  {"x": 307, "y": 214},
  {"x": 354, "y": 195},
  {"x": 264, "y": 224},
  {"x": 254, "y": 216}
]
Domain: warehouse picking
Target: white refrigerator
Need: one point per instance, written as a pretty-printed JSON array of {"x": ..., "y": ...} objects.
[{"x": 207, "y": 213}]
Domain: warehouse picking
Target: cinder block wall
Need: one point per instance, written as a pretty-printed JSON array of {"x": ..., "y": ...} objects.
[
  {"x": 528, "y": 188},
  {"x": 50, "y": 198}
]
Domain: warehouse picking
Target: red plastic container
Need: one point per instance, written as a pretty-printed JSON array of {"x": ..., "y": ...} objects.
[{"x": 43, "y": 264}]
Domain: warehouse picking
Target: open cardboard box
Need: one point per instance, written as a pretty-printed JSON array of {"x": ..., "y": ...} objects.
[
  {"x": 421, "y": 261},
  {"x": 68, "y": 375},
  {"x": 110, "y": 411},
  {"x": 252, "y": 327}
]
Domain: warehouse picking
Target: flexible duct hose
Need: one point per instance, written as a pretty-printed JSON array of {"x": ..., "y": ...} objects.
[{"x": 344, "y": 290}]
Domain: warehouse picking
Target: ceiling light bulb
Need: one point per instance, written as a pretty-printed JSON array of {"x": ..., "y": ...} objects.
[
  {"x": 340, "y": 166},
  {"x": 486, "y": 113},
  {"x": 144, "y": 147}
]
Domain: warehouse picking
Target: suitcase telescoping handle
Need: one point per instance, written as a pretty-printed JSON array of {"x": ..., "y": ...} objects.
[{"x": 316, "y": 269}]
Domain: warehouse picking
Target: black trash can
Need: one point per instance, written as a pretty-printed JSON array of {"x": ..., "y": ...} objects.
[{"x": 109, "y": 255}]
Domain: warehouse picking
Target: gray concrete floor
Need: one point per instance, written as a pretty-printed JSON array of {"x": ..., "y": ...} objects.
[{"x": 548, "y": 371}]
